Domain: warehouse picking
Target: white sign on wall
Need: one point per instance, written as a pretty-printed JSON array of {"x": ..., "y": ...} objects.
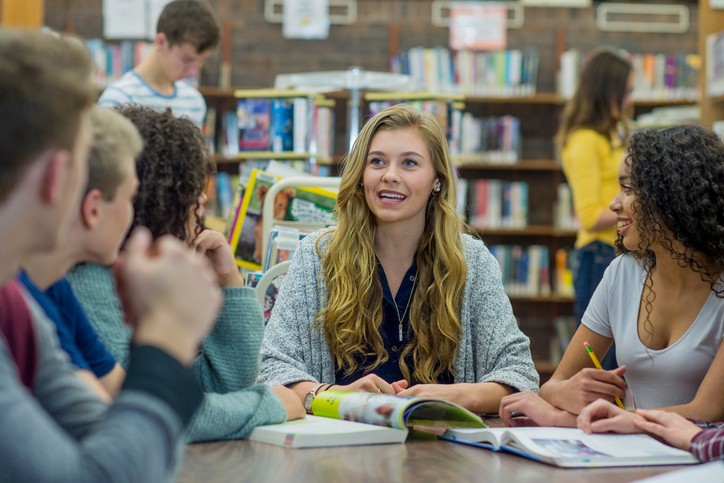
[
  {"x": 478, "y": 26},
  {"x": 305, "y": 19},
  {"x": 131, "y": 19}
]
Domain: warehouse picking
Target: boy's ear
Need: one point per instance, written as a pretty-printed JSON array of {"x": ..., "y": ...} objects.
[
  {"x": 90, "y": 210},
  {"x": 160, "y": 40},
  {"x": 52, "y": 175}
]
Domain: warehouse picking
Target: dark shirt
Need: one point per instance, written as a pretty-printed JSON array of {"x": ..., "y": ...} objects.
[
  {"x": 75, "y": 333},
  {"x": 389, "y": 330}
]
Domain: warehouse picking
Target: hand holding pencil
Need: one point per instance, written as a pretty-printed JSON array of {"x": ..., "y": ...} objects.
[{"x": 597, "y": 363}]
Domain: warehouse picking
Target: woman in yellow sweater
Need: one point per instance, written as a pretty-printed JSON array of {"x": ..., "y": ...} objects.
[{"x": 591, "y": 140}]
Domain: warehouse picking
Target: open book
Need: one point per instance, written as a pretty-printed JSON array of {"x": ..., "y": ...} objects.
[
  {"x": 573, "y": 448},
  {"x": 356, "y": 418}
]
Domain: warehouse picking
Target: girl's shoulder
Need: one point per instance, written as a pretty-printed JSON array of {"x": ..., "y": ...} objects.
[
  {"x": 474, "y": 249},
  {"x": 471, "y": 242},
  {"x": 316, "y": 240},
  {"x": 625, "y": 267}
]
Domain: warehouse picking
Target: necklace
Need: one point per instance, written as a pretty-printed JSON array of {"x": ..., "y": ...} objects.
[{"x": 399, "y": 319}]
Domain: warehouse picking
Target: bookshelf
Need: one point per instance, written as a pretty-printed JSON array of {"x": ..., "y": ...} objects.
[
  {"x": 254, "y": 126},
  {"x": 711, "y": 21}
]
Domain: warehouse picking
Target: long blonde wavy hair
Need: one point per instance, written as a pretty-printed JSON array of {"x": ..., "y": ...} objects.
[{"x": 353, "y": 315}]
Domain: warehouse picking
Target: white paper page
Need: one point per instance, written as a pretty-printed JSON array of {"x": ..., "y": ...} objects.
[
  {"x": 468, "y": 434},
  {"x": 572, "y": 442},
  {"x": 630, "y": 445},
  {"x": 708, "y": 472},
  {"x": 125, "y": 19}
]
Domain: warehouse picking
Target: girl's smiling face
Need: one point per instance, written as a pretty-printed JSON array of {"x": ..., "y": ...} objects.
[
  {"x": 623, "y": 206},
  {"x": 399, "y": 177}
]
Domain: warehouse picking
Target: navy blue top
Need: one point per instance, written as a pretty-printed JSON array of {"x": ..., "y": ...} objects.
[
  {"x": 389, "y": 330},
  {"x": 77, "y": 336}
]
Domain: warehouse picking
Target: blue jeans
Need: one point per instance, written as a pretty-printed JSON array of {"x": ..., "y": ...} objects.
[{"x": 588, "y": 264}]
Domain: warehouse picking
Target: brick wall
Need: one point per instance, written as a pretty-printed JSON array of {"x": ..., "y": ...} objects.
[{"x": 260, "y": 52}]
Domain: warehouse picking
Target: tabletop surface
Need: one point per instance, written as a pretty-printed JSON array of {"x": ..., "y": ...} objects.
[{"x": 413, "y": 461}]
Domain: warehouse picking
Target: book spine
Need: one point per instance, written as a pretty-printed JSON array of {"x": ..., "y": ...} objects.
[
  {"x": 281, "y": 129},
  {"x": 301, "y": 125}
]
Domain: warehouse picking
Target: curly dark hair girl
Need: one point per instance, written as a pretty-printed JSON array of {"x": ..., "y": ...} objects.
[
  {"x": 677, "y": 178},
  {"x": 172, "y": 171}
]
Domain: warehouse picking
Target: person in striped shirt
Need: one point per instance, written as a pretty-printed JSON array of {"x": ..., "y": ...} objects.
[
  {"x": 187, "y": 32},
  {"x": 704, "y": 440}
]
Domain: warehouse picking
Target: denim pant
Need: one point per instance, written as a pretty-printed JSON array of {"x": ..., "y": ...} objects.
[{"x": 588, "y": 264}]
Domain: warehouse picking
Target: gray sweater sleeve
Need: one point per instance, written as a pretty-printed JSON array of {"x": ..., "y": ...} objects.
[
  {"x": 63, "y": 433},
  {"x": 227, "y": 366},
  {"x": 292, "y": 351}
]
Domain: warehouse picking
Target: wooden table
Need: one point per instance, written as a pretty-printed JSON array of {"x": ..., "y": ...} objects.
[{"x": 416, "y": 461}]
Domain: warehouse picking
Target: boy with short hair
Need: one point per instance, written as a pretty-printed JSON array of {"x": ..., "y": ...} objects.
[
  {"x": 96, "y": 234},
  {"x": 187, "y": 32}
]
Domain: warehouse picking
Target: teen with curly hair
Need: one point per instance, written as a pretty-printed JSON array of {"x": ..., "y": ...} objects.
[
  {"x": 395, "y": 299},
  {"x": 591, "y": 142},
  {"x": 172, "y": 170},
  {"x": 662, "y": 300}
]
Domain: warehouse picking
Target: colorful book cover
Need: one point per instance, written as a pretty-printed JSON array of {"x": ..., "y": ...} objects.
[
  {"x": 253, "y": 119},
  {"x": 312, "y": 207}
]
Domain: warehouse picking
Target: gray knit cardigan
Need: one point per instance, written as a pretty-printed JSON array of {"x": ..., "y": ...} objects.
[{"x": 492, "y": 348}]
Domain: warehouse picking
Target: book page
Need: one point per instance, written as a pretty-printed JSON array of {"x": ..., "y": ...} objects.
[
  {"x": 430, "y": 412},
  {"x": 490, "y": 437},
  {"x": 571, "y": 443}
]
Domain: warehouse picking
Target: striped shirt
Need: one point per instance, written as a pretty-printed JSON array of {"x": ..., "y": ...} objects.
[
  {"x": 708, "y": 445},
  {"x": 132, "y": 89}
]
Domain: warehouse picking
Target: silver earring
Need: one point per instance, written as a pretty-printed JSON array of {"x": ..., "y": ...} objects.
[
  {"x": 437, "y": 190},
  {"x": 361, "y": 185}
]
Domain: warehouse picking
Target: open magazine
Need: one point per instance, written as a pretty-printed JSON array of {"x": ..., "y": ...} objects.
[
  {"x": 343, "y": 418},
  {"x": 573, "y": 448}
]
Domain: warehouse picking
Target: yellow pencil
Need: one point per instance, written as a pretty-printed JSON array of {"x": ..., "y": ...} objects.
[{"x": 593, "y": 357}]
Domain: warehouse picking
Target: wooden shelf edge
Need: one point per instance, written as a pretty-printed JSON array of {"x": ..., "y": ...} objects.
[
  {"x": 474, "y": 162},
  {"x": 538, "y": 98},
  {"x": 552, "y": 299},
  {"x": 716, "y": 99},
  {"x": 534, "y": 230},
  {"x": 247, "y": 155}
]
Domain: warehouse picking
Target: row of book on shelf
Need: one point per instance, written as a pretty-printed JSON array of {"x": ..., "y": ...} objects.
[
  {"x": 495, "y": 140},
  {"x": 493, "y": 73},
  {"x": 290, "y": 122},
  {"x": 500, "y": 204},
  {"x": 513, "y": 72},
  {"x": 113, "y": 59},
  {"x": 496, "y": 203},
  {"x": 286, "y": 122},
  {"x": 657, "y": 76},
  {"x": 527, "y": 272}
]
